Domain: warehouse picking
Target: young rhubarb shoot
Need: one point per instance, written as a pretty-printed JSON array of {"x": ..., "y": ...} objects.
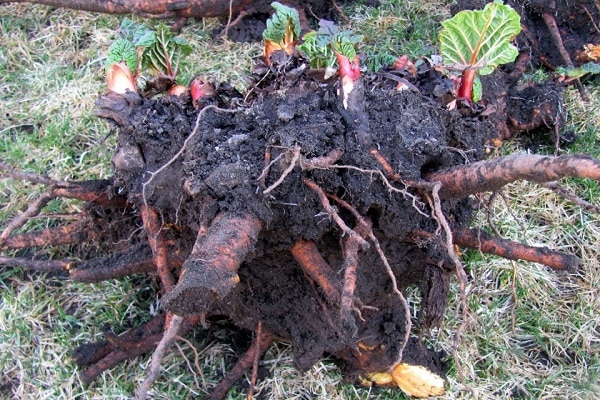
[
  {"x": 283, "y": 30},
  {"x": 119, "y": 78},
  {"x": 141, "y": 49},
  {"x": 476, "y": 42},
  {"x": 122, "y": 59},
  {"x": 343, "y": 46}
]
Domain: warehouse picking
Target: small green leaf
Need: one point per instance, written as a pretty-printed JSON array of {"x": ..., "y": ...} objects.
[
  {"x": 480, "y": 39},
  {"x": 138, "y": 34},
  {"x": 164, "y": 55},
  {"x": 122, "y": 50},
  {"x": 320, "y": 56},
  {"x": 284, "y": 21},
  {"x": 573, "y": 72}
]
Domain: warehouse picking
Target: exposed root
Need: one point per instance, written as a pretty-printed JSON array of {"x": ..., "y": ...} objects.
[
  {"x": 76, "y": 232},
  {"x": 351, "y": 249},
  {"x": 96, "y": 191},
  {"x": 416, "y": 202},
  {"x": 164, "y": 345},
  {"x": 307, "y": 164},
  {"x": 295, "y": 152},
  {"x": 159, "y": 246},
  {"x": 567, "y": 194},
  {"x": 491, "y": 175},
  {"x": 366, "y": 227},
  {"x": 439, "y": 216},
  {"x": 243, "y": 364},
  {"x": 484, "y": 242},
  {"x": 333, "y": 213},
  {"x": 28, "y": 176},
  {"x": 552, "y": 26},
  {"x": 135, "y": 260},
  {"x": 34, "y": 209},
  {"x": 307, "y": 255},
  {"x": 102, "y": 356},
  {"x": 324, "y": 162},
  {"x": 53, "y": 266},
  {"x": 210, "y": 271},
  {"x": 257, "y": 354}
]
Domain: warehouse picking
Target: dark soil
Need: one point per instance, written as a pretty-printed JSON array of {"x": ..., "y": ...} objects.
[{"x": 220, "y": 173}]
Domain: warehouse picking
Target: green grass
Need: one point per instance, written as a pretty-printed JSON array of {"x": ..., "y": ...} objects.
[{"x": 532, "y": 333}]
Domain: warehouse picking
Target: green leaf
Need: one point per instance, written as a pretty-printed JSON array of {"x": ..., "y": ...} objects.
[
  {"x": 122, "y": 50},
  {"x": 573, "y": 72},
  {"x": 480, "y": 39},
  {"x": 284, "y": 21},
  {"x": 376, "y": 61},
  {"x": 345, "y": 44},
  {"x": 320, "y": 56},
  {"x": 164, "y": 55},
  {"x": 138, "y": 34}
]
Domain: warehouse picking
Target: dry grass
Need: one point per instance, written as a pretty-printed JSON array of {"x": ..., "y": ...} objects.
[{"x": 533, "y": 333}]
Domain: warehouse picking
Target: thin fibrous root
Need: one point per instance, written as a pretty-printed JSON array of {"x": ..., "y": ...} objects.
[
  {"x": 438, "y": 215},
  {"x": 567, "y": 194},
  {"x": 306, "y": 164},
  {"x": 333, "y": 213},
  {"x": 257, "y": 355},
  {"x": 163, "y": 346},
  {"x": 365, "y": 227},
  {"x": 295, "y": 152},
  {"x": 183, "y": 148}
]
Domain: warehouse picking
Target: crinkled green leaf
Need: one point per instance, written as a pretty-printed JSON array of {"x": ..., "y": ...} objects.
[
  {"x": 345, "y": 44},
  {"x": 138, "y": 34},
  {"x": 573, "y": 72},
  {"x": 320, "y": 56},
  {"x": 122, "y": 50},
  {"x": 376, "y": 61},
  {"x": 327, "y": 30},
  {"x": 284, "y": 20},
  {"x": 164, "y": 55},
  {"x": 480, "y": 39}
]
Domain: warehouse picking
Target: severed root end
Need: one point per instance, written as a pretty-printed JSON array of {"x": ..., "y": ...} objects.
[{"x": 210, "y": 272}]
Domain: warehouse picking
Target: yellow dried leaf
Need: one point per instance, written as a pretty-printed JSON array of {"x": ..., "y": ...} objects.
[
  {"x": 592, "y": 51},
  {"x": 417, "y": 381},
  {"x": 381, "y": 378}
]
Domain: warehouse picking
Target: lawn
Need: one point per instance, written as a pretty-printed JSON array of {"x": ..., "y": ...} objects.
[{"x": 531, "y": 332}]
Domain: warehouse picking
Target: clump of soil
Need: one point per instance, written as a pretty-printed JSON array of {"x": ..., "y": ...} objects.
[{"x": 223, "y": 171}]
